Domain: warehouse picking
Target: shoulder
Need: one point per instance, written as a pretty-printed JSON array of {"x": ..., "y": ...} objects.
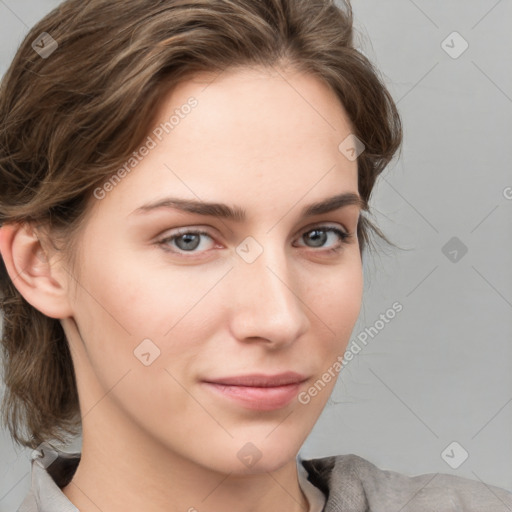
[{"x": 354, "y": 483}]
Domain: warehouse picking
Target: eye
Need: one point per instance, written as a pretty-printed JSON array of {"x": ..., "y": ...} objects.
[
  {"x": 185, "y": 240},
  {"x": 319, "y": 235}
]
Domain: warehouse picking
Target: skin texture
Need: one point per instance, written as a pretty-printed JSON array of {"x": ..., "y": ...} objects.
[{"x": 155, "y": 437}]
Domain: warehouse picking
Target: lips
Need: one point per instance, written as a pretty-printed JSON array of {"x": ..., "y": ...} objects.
[
  {"x": 257, "y": 391},
  {"x": 261, "y": 381}
]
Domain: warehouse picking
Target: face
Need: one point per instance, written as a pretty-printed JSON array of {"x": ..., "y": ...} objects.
[{"x": 202, "y": 335}]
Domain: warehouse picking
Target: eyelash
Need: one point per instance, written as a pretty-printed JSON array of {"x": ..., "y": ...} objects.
[{"x": 343, "y": 236}]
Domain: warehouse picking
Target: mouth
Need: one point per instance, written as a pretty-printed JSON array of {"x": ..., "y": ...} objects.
[{"x": 257, "y": 391}]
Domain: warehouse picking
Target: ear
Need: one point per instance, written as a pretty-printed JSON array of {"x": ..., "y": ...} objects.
[{"x": 41, "y": 284}]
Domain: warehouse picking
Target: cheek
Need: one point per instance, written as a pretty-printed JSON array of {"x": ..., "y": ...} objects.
[
  {"x": 338, "y": 307},
  {"x": 124, "y": 302},
  {"x": 138, "y": 298},
  {"x": 140, "y": 335},
  {"x": 338, "y": 298}
]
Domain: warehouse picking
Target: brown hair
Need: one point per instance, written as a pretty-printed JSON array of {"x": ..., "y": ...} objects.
[{"x": 69, "y": 120}]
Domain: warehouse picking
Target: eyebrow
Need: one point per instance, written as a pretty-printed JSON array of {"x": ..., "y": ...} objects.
[{"x": 238, "y": 214}]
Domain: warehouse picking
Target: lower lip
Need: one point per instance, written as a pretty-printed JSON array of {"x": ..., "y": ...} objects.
[{"x": 261, "y": 399}]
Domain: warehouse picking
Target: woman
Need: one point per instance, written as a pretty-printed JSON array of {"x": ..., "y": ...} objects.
[{"x": 183, "y": 206}]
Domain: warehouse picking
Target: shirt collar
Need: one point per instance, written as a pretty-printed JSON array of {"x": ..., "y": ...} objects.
[
  {"x": 47, "y": 494},
  {"x": 314, "y": 495}
]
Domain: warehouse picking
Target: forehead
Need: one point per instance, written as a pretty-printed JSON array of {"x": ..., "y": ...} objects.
[
  {"x": 253, "y": 134},
  {"x": 254, "y": 96}
]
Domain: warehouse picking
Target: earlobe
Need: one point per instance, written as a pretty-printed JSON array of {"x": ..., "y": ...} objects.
[{"x": 31, "y": 271}]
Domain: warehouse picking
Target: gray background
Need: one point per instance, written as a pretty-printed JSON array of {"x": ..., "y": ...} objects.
[{"x": 440, "y": 371}]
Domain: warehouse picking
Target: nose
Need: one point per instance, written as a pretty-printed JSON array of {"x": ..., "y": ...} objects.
[{"x": 266, "y": 301}]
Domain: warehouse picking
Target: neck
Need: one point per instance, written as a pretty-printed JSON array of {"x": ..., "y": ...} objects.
[{"x": 115, "y": 475}]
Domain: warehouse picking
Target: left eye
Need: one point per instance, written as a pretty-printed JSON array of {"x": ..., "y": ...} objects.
[
  {"x": 188, "y": 241},
  {"x": 319, "y": 234},
  {"x": 185, "y": 240}
]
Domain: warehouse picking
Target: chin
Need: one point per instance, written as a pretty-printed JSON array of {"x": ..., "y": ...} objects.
[{"x": 258, "y": 453}]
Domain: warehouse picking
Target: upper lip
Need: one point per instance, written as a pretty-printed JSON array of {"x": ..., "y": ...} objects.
[{"x": 260, "y": 380}]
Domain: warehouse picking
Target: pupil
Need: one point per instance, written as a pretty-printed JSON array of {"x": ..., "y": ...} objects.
[
  {"x": 188, "y": 239},
  {"x": 321, "y": 237}
]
